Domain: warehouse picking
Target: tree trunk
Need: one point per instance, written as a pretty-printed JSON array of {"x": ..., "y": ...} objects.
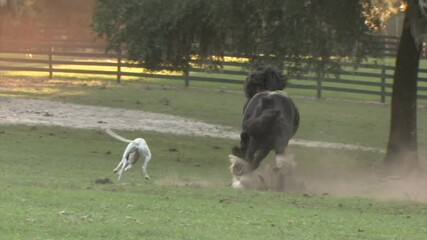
[{"x": 402, "y": 143}]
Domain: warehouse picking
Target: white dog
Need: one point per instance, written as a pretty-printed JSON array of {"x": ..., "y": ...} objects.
[{"x": 133, "y": 151}]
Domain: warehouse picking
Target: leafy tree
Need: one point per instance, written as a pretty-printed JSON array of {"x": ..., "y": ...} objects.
[
  {"x": 167, "y": 34},
  {"x": 160, "y": 34}
]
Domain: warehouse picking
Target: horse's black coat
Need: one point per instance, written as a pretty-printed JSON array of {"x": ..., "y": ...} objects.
[{"x": 270, "y": 119}]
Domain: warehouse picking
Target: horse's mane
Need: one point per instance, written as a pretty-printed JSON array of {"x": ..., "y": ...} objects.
[{"x": 264, "y": 78}]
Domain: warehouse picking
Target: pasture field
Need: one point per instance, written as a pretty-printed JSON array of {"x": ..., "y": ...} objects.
[
  {"x": 48, "y": 174},
  {"x": 349, "y": 122},
  {"x": 48, "y": 191}
]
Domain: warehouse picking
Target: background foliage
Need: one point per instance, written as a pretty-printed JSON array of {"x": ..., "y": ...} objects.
[{"x": 167, "y": 34}]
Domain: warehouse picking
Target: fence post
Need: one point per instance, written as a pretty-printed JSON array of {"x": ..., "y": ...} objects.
[
  {"x": 119, "y": 66},
  {"x": 319, "y": 77},
  {"x": 50, "y": 61},
  {"x": 186, "y": 75},
  {"x": 383, "y": 86},
  {"x": 424, "y": 52}
]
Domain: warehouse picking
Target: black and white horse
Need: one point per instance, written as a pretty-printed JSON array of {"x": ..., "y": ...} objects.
[{"x": 270, "y": 119}]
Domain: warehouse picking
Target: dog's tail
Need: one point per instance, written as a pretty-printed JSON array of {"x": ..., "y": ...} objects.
[{"x": 117, "y": 136}]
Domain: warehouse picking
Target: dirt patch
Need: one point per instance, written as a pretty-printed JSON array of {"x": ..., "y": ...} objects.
[{"x": 49, "y": 113}]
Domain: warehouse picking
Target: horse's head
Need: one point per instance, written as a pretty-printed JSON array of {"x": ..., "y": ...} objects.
[
  {"x": 262, "y": 79},
  {"x": 254, "y": 84}
]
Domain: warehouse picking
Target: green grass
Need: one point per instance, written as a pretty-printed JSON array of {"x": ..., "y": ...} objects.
[{"x": 48, "y": 191}]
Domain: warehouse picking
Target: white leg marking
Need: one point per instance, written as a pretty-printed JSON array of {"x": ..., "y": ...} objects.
[{"x": 280, "y": 160}]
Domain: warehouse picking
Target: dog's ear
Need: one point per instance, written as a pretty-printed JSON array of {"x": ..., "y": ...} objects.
[
  {"x": 233, "y": 159},
  {"x": 236, "y": 160}
]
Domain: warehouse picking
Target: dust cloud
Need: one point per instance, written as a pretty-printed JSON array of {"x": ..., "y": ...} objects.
[{"x": 374, "y": 182}]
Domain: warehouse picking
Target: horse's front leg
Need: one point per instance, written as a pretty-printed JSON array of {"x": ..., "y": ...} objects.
[
  {"x": 262, "y": 153},
  {"x": 244, "y": 143},
  {"x": 250, "y": 154}
]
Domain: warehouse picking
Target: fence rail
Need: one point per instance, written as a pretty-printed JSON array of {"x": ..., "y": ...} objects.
[{"x": 53, "y": 58}]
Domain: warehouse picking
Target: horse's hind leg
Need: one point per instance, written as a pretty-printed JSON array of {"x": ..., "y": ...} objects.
[
  {"x": 281, "y": 168},
  {"x": 280, "y": 159},
  {"x": 284, "y": 168},
  {"x": 250, "y": 155}
]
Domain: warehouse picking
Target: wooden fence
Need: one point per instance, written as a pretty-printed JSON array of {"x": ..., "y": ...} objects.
[{"x": 372, "y": 80}]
